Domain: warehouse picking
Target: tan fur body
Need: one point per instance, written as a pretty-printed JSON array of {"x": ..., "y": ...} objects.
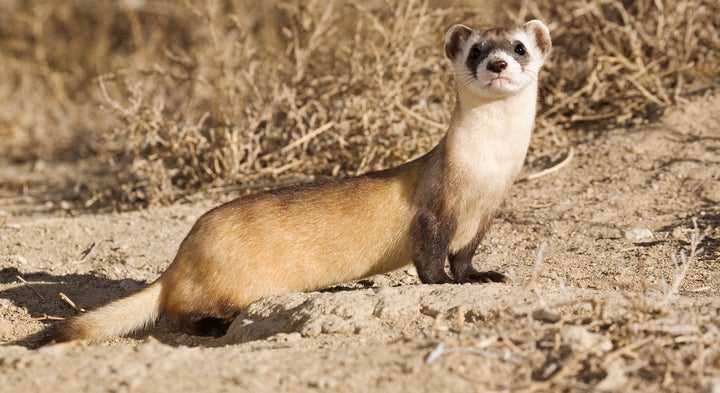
[
  {"x": 316, "y": 242},
  {"x": 307, "y": 237}
]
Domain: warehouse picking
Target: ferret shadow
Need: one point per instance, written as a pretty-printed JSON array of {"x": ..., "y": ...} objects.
[
  {"x": 42, "y": 300},
  {"x": 40, "y": 296},
  {"x": 41, "y": 293}
]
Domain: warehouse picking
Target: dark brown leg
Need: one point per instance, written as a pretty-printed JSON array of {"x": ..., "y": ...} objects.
[
  {"x": 463, "y": 271},
  {"x": 431, "y": 239}
]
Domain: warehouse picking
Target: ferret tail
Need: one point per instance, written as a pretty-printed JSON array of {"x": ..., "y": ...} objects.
[{"x": 118, "y": 318}]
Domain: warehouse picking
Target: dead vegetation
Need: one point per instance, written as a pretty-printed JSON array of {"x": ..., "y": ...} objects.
[
  {"x": 592, "y": 342},
  {"x": 194, "y": 97},
  {"x": 653, "y": 339},
  {"x": 621, "y": 63}
]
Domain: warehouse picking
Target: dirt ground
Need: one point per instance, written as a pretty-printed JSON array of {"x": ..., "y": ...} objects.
[{"x": 598, "y": 312}]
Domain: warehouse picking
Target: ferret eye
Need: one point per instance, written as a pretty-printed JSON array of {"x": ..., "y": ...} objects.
[
  {"x": 474, "y": 53},
  {"x": 520, "y": 49}
]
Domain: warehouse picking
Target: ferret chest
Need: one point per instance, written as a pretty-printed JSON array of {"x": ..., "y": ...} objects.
[
  {"x": 473, "y": 203},
  {"x": 485, "y": 154}
]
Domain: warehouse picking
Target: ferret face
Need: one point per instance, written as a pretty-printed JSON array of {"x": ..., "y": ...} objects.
[{"x": 497, "y": 62}]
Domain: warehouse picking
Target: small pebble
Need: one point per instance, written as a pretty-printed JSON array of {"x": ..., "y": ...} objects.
[
  {"x": 19, "y": 259},
  {"x": 711, "y": 192},
  {"x": 638, "y": 234}
]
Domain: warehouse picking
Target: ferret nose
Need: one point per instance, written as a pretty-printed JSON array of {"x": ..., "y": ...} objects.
[{"x": 497, "y": 66}]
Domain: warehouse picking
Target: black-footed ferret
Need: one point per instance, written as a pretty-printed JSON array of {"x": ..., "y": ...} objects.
[{"x": 306, "y": 237}]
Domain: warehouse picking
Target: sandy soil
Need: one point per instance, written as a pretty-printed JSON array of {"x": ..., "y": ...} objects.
[{"x": 595, "y": 314}]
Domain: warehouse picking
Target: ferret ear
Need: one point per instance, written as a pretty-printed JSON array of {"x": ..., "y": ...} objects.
[
  {"x": 541, "y": 33},
  {"x": 455, "y": 38}
]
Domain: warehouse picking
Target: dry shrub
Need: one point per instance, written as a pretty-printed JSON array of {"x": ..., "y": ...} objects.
[
  {"x": 51, "y": 53},
  {"x": 650, "y": 342},
  {"x": 330, "y": 102},
  {"x": 619, "y": 63},
  {"x": 374, "y": 92},
  {"x": 231, "y": 95}
]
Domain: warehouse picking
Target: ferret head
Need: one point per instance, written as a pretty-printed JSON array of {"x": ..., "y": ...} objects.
[{"x": 497, "y": 62}]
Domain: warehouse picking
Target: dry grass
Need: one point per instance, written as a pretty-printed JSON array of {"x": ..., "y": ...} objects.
[
  {"x": 621, "y": 63},
  {"x": 52, "y": 53},
  {"x": 227, "y": 112},
  {"x": 187, "y": 97}
]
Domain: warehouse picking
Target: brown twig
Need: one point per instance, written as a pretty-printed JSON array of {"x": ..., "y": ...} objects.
[
  {"x": 555, "y": 168},
  {"x": 627, "y": 349},
  {"x": 687, "y": 260},
  {"x": 46, "y": 317},
  {"x": 71, "y": 303},
  {"x": 27, "y": 284},
  {"x": 89, "y": 251}
]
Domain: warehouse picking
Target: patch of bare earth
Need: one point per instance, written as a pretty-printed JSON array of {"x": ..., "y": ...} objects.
[{"x": 614, "y": 289}]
